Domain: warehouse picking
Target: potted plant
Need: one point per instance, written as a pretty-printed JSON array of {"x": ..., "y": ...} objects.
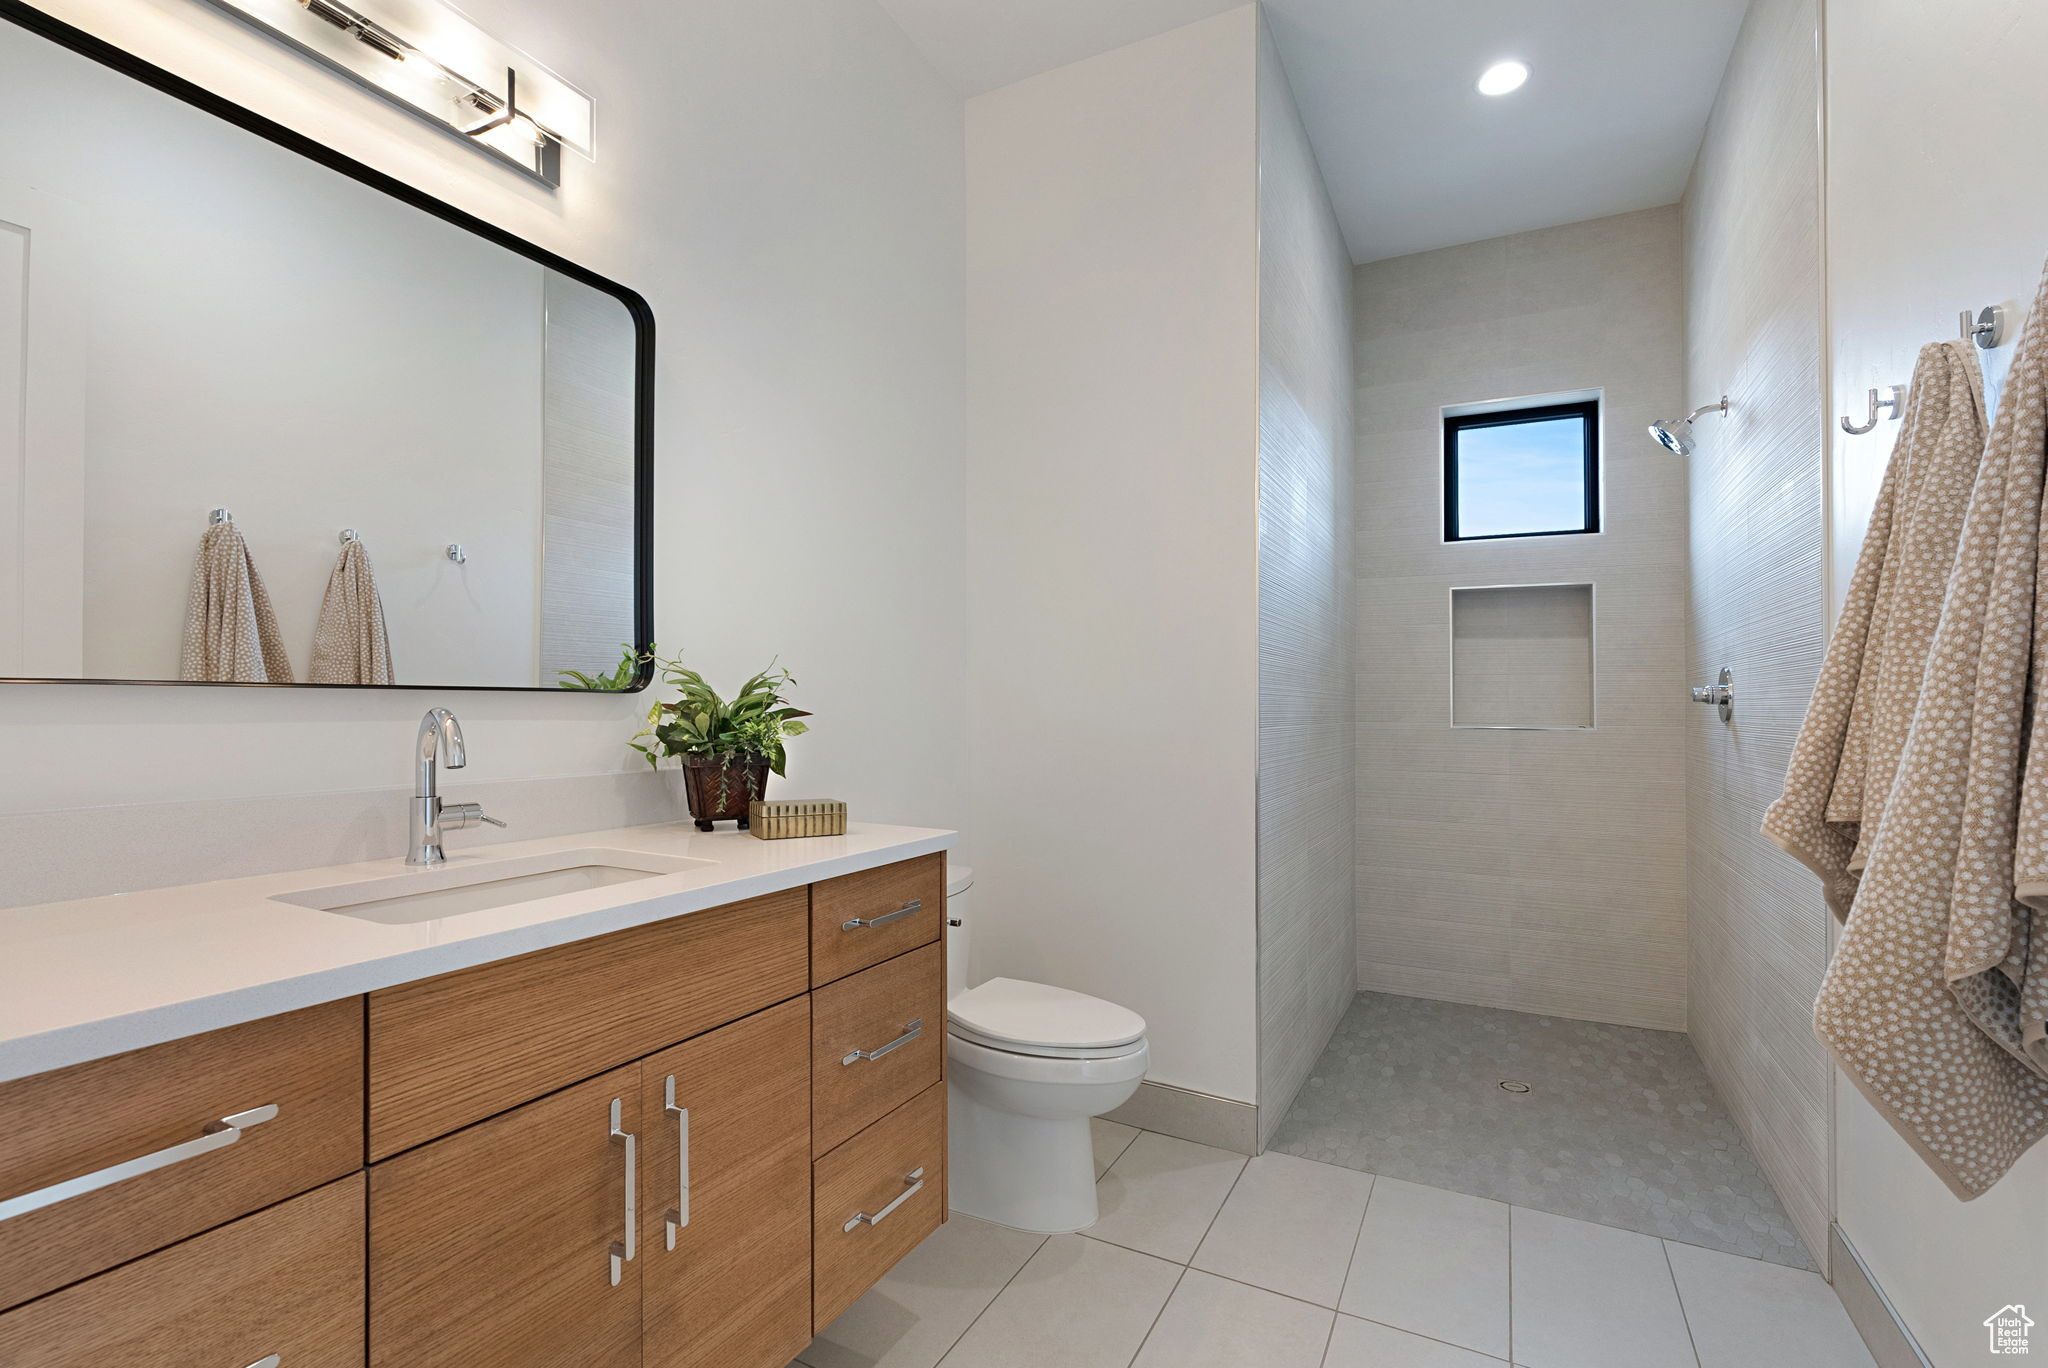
[{"x": 727, "y": 749}]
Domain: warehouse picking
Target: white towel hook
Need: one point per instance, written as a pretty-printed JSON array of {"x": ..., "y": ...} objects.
[{"x": 1891, "y": 397}]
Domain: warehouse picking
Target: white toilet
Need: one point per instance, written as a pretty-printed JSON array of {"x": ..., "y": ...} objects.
[{"x": 1027, "y": 1065}]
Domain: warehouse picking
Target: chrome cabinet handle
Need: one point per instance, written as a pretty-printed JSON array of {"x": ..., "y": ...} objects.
[
  {"x": 622, "y": 1251},
  {"x": 914, "y": 905},
  {"x": 678, "y": 1215},
  {"x": 911, "y": 1031},
  {"x": 268, "y": 1361},
  {"x": 212, "y": 1136},
  {"x": 913, "y": 1184}
]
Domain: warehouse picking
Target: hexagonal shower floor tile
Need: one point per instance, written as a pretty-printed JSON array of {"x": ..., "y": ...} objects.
[{"x": 1618, "y": 1125}]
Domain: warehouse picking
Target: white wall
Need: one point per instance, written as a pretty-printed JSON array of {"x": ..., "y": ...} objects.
[
  {"x": 1935, "y": 204},
  {"x": 1306, "y": 926},
  {"x": 1112, "y": 229},
  {"x": 1756, "y": 928},
  {"x": 782, "y": 179},
  {"x": 1540, "y": 871}
]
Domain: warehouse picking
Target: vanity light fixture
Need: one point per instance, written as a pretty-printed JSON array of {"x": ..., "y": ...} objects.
[
  {"x": 431, "y": 61},
  {"x": 1503, "y": 78}
]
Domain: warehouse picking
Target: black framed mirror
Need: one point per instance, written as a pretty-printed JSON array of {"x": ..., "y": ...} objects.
[{"x": 270, "y": 417}]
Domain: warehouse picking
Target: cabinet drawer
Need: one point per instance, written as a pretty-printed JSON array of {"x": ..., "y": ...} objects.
[
  {"x": 865, "y": 1059},
  {"x": 156, "y": 1114},
  {"x": 455, "y": 1049},
  {"x": 875, "y": 1198},
  {"x": 865, "y": 918},
  {"x": 286, "y": 1282}
]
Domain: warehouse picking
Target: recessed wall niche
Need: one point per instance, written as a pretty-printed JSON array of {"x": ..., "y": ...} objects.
[{"x": 1522, "y": 657}]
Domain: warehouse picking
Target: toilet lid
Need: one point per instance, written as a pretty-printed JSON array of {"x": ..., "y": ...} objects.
[{"x": 1018, "y": 1015}]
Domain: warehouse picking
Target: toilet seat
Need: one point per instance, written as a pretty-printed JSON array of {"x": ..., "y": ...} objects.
[{"x": 1039, "y": 1020}]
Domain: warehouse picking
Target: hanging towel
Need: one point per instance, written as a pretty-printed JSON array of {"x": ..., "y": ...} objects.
[
  {"x": 350, "y": 645},
  {"x": 1933, "y": 1004},
  {"x": 1855, "y": 729},
  {"x": 231, "y": 632}
]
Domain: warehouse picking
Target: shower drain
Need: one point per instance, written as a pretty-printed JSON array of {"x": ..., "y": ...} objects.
[{"x": 1509, "y": 1085}]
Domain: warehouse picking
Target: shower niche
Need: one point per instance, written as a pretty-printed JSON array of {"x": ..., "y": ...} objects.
[{"x": 1522, "y": 657}]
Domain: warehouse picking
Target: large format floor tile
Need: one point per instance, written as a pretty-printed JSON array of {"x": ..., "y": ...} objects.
[
  {"x": 1619, "y": 1126},
  {"x": 1289, "y": 1227},
  {"x": 913, "y": 1316},
  {"x": 1590, "y": 1296},
  {"x": 1161, "y": 1194},
  {"x": 1435, "y": 1263},
  {"x": 1362, "y": 1344},
  {"x": 1111, "y": 1139},
  {"x": 1749, "y": 1314},
  {"x": 1211, "y": 1322},
  {"x": 1078, "y": 1303}
]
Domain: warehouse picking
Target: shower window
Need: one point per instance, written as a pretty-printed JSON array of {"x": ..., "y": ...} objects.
[{"x": 1522, "y": 472}]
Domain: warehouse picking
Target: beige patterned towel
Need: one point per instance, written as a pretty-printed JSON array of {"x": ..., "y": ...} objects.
[
  {"x": 350, "y": 645},
  {"x": 231, "y": 632},
  {"x": 1855, "y": 728},
  {"x": 1933, "y": 1004}
]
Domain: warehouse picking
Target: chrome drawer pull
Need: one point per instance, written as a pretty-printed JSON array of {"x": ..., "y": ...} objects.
[
  {"x": 622, "y": 1251},
  {"x": 268, "y": 1361},
  {"x": 914, "y": 1184},
  {"x": 212, "y": 1136},
  {"x": 914, "y": 905},
  {"x": 678, "y": 1215},
  {"x": 911, "y": 1031}
]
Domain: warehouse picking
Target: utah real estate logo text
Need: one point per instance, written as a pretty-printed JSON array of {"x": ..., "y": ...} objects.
[{"x": 2008, "y": 1328}]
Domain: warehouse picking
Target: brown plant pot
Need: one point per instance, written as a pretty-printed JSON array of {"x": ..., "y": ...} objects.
[{"x": 721, "y": 791}]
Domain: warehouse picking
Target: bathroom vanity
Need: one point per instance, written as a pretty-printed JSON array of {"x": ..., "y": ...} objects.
[{"x": 681, "y": 1113}]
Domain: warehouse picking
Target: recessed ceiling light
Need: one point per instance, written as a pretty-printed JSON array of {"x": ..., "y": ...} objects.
[{"x": 1503, "y": 77}]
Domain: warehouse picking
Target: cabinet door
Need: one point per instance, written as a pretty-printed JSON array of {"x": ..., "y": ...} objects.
[
  {"x": 513, "y": 1242},
  {"x": 725, "y": 1208}
]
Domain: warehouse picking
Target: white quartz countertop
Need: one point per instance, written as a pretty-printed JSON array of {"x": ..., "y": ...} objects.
[{"x": 81, "y": 980}]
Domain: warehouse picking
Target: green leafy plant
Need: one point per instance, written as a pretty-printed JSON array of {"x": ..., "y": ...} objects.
[
  {"x": 618, "y": 681},
  {"x": 700, "y": 727}
]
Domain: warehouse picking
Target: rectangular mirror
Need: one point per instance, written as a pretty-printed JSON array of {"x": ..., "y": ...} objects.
[{"x": 269, "y": 417}]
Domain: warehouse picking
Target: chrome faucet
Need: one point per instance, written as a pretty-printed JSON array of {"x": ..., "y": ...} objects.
[{"x": 439, "y": 733}]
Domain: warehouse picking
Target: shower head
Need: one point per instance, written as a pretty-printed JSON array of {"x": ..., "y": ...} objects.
[{"x": 1676, "y": 433}]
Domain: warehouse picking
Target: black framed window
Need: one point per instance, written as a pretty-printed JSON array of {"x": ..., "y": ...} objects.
[{"x": 1527, "y": 472}]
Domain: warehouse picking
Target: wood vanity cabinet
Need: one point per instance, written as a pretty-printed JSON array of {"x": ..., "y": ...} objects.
[
  {"x": 282, "y": 1288},
  {"x": 505, "y": 1242},
  {"x": 688, "y": 1144},
  {"x": 725, "y": 1195}
]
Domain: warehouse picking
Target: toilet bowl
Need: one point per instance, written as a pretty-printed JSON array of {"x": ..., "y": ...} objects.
[{"x": 1027, "y": 1066}]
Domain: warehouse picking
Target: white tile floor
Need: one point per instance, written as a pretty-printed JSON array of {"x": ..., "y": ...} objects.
[{"x": 1203, "y": 1259}]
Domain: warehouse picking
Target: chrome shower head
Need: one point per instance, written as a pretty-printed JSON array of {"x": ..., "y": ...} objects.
[{"x": 1675, "y": 434}]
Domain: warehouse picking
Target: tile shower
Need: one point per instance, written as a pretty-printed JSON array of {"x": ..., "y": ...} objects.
[{"x": 1521, "y": 872}]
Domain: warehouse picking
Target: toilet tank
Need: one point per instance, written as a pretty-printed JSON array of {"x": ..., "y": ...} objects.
[{"x": 959, "y": 878}]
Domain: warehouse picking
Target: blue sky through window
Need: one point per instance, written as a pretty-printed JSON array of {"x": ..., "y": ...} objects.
[{"x": 1522, "y": 478}]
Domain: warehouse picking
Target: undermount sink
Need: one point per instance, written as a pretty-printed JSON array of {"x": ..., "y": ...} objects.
[{"x": 451, "y": 890}]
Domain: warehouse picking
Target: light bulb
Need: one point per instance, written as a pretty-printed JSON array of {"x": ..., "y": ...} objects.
[{"x": 1503, "y": 77}]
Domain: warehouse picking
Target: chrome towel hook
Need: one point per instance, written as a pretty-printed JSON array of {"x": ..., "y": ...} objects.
[
  {"x": 457, "y": 554},
  {"x": 1891, "y": 397},
  {"x": 1987, "y": 330}
]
